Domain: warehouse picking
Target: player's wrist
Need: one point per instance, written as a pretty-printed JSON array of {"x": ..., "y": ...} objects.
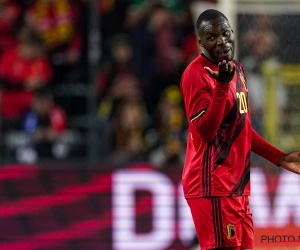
[
  {"x": 224, "y": 80},
  {"x": 281, "y": 160},
  {"x": 225, "y": 83},
  {"x": 222, "y": 85}
]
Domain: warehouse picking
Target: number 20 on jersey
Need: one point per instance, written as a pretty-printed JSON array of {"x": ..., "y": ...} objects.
[{"x": 242, "y": 102}]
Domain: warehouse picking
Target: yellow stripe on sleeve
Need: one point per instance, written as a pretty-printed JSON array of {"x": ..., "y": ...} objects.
[{"x": 203, "y": 111}]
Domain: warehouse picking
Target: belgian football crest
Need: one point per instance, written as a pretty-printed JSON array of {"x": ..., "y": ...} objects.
[
  {"x": 230, "y": 231},
  {"x": 243, "y": 81}
]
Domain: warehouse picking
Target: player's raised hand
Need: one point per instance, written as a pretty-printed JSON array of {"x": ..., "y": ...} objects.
[
  {"x": 291, "y": 161},
  {"x": 225, "y": 72}
]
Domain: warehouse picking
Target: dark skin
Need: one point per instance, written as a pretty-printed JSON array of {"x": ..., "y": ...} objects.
[
  {"x": 217, "y": 41},
  {"x": 216, "y": 38}
]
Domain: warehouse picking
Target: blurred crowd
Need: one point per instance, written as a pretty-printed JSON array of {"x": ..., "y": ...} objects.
[
  {"x": 40, "y": 47},
  {"x": 145, "y": 46}
]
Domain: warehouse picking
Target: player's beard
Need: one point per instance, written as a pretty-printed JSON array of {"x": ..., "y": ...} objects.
[
  {"x": 233, "y": 50},
  {"x": 214, "y": 56},
  {"x": 229, "y": 57}
]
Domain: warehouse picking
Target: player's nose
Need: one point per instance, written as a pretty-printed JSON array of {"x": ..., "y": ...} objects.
[{"x": 221, "y": 40}]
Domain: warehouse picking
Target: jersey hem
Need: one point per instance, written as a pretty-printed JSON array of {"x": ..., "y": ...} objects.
[{"x": 215, "y": 195}]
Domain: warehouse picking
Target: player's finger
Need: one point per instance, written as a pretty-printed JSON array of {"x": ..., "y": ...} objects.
[
  {"x": 209, "y": 70},
  {"x": 229, "y": 68},
  {"x": 232, "y": 73},
  {"x": 233, "y": 68},
  {"x": 226, "y": 67},
  {"x": 221, "y": 66}
]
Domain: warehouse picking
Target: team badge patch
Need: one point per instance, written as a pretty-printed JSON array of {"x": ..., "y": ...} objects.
[
  {"x": 230, "y": 231},
  {"x": 243, "y": 81}
]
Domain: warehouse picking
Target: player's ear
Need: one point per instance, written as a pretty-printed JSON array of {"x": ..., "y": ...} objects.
[{"x": 199, "y": 41}]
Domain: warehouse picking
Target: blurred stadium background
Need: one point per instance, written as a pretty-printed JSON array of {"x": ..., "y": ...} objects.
[{"x": 94, "y": 160}]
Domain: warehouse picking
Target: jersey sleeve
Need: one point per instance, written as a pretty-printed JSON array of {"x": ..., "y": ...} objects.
[
  {"x": 204, "y": 104},
  {"x": 264, "y": 149}
]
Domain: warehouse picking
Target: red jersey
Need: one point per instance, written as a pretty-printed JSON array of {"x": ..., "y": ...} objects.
[
  {"x": 220, "y": 135},
  {"x": 17, "y": 70}
]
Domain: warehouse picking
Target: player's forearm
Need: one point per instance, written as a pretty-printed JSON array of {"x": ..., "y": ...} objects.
[
  {"x": 264, "y": 149},
  {"x": 208, "y": 124}
]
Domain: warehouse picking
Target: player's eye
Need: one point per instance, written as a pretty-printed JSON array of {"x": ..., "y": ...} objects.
[
  {"x": 211, "y": 38},
  {"x": 226, "y": 33}
]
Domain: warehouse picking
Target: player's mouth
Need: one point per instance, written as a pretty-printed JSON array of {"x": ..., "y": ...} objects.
[{"x": 224, "y": 53}]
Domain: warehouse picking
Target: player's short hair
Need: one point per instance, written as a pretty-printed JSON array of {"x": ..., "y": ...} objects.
[{"x": 208, "y": 15}]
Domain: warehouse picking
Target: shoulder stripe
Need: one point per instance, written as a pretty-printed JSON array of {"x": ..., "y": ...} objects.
[{"x": 194, "y": 117}]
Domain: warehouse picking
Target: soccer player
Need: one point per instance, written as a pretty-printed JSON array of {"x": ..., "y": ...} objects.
[{"x": 216, "y": 175}]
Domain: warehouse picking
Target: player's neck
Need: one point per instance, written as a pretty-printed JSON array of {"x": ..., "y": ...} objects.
[{"x": 208, "y": 57}]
